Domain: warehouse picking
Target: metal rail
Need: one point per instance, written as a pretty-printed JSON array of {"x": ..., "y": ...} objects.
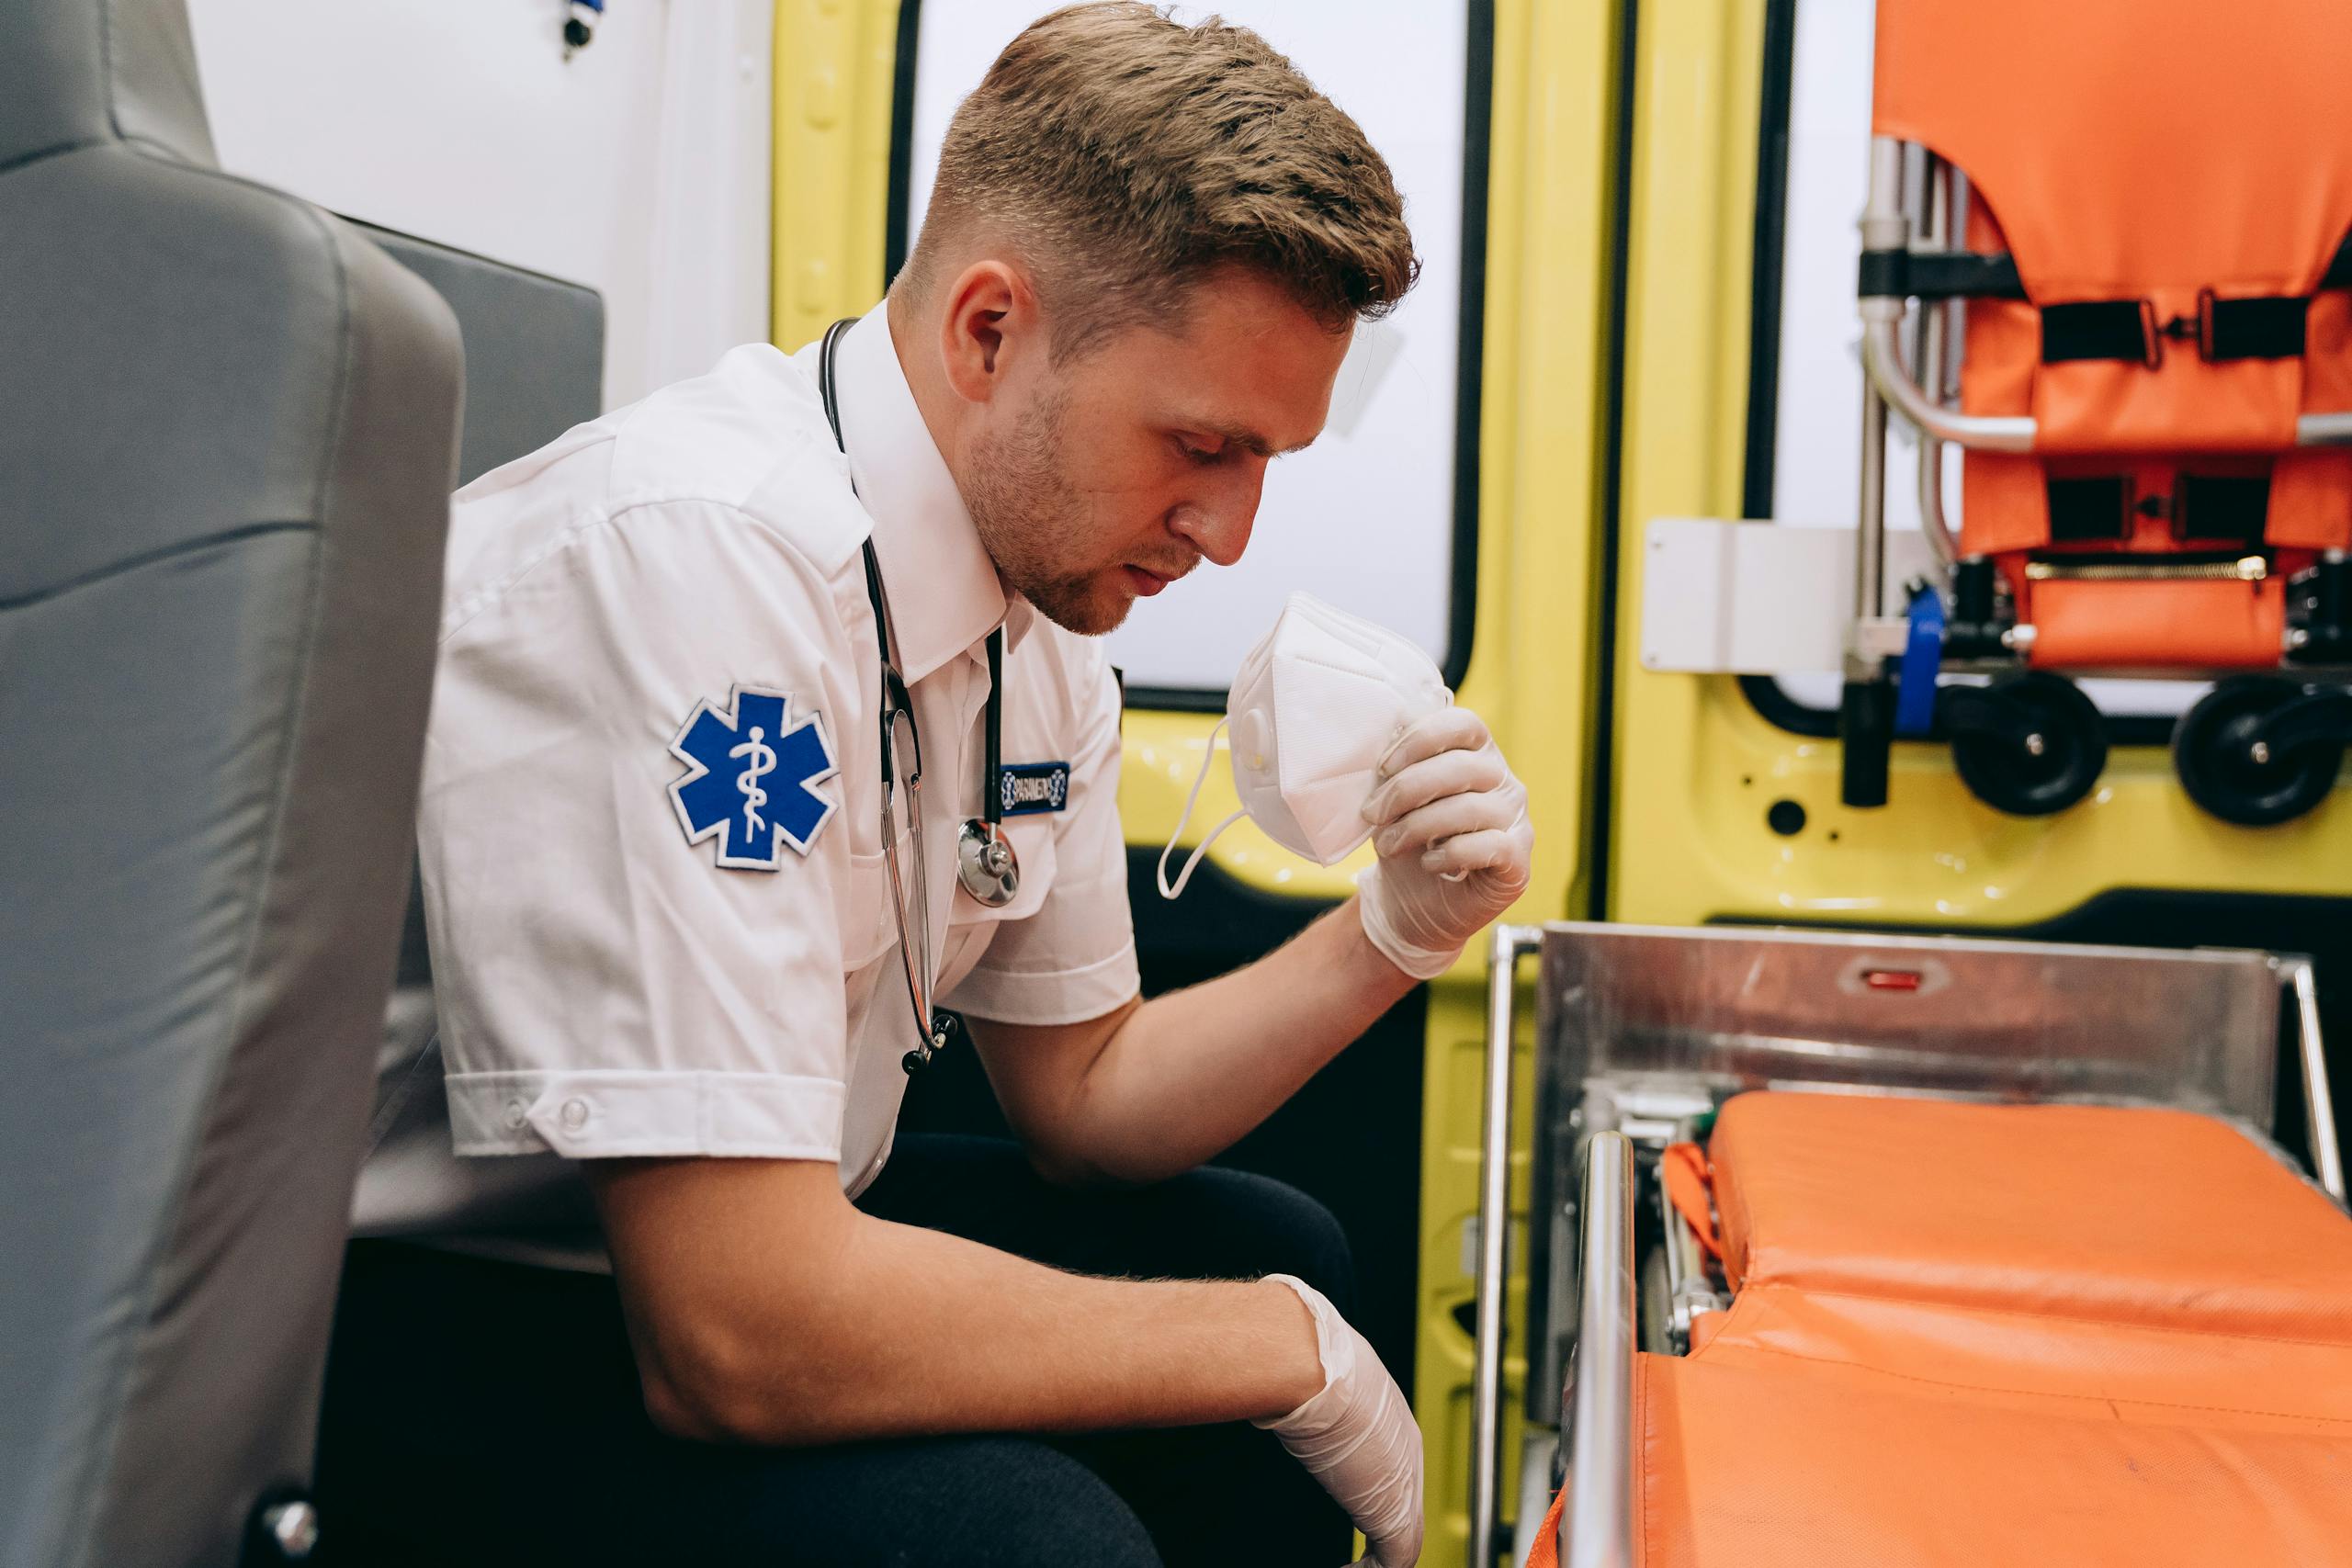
[
  {"x": 1494, "y": 1233},
  {"x": 1596, "y": 1524},
  {"x": 1931, "y": 335},
  {"x": 1882, "y": 362},
  {"x": 2319, "y": 1100}
]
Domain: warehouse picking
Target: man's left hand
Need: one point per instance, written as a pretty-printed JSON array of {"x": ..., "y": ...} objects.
[{"x": 1449, "y": 823}]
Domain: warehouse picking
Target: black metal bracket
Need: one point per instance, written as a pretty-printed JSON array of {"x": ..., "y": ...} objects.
[
  {"x": 1979, "y": 619},
  {"x": 2320, "y": 610}
]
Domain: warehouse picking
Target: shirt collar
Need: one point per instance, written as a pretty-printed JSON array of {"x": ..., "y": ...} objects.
[{"x": 946, "y": 597}]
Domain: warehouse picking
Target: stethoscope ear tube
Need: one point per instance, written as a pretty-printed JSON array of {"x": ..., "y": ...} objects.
[{"x": 985, "y": 866}]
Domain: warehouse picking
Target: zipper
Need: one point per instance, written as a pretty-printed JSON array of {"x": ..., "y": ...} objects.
[{"x": 2154, "y": 569}]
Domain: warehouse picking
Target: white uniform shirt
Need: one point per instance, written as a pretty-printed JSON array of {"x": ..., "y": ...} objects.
[{"x": 622, "y": 608}]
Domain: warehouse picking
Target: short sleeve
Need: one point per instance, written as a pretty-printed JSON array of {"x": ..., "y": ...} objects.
[
  {"x": 605, "y": 985},
  {"x": 1074, "y": 958}
]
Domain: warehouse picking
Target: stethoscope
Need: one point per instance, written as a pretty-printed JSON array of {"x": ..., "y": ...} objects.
[{"x": 985, "y": 863}]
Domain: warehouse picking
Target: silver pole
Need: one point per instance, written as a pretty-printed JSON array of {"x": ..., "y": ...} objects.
[
  {"x": 1884, "y": 228},
  {"x": 1597, "y": 1526},
  {"x": 2319, "y": 1101},
  {"x": 1927, "y": 358},
  {"x": 1494, "y": 1232},
  {"x": 1882, "y": 368}
]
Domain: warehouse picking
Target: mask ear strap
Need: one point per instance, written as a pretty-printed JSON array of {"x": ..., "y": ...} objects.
[{"x": 1185, "y": 875}]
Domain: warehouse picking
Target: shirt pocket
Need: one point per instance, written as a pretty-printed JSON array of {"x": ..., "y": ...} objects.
[{"x": 870, "y": 920}]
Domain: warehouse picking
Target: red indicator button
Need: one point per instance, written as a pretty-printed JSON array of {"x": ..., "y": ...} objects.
[{"x": 1891, "y": 979}]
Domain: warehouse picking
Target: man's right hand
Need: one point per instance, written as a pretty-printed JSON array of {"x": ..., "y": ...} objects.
[{"x": 1357, "y": 1436}]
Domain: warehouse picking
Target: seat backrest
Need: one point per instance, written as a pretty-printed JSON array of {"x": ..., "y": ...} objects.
[
  {"x": 2172, "y": 180},
  {"x": 227, "y": 432}
]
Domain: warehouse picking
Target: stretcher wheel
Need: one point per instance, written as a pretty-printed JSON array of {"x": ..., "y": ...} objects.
[
  {"x": 2030, "y": 745},
  {"x": 2224, "y": 771}
]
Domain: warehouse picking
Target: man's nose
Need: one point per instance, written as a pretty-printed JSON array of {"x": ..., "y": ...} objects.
[{"x": 1218, "y": 525}]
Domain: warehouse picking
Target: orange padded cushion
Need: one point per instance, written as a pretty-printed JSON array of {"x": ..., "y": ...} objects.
[
  {"x": 1762, "y": 1462},
  {"x": 1977, "y": 1335},
  {"x": 2132, "y": 144},
  {"x": 2221, "y": 625},
  {"x": 2139, "y": 1216}
]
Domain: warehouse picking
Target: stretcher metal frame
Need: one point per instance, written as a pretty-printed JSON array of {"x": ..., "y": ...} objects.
[{"x": 1644, "y": 1031}]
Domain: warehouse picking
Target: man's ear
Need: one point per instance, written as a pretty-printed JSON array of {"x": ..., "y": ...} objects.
[{"x": 991, "y": 322}]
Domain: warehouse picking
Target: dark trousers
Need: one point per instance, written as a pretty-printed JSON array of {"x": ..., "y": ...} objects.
[{"x": 486, "y": 1412}]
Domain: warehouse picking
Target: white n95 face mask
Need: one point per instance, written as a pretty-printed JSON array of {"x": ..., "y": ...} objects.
[{"x": 1315, "y": 708}]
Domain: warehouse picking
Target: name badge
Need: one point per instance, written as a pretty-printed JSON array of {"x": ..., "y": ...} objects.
[{"x": 1031, "y": 788}]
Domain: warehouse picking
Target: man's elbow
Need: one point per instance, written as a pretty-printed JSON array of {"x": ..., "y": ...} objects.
[{"x": 709, "y": 1394}]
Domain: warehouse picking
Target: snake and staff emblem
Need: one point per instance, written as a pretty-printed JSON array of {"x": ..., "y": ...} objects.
[
  {"x": 763, "y": 762},
  {"x": 752, "y": 779}
]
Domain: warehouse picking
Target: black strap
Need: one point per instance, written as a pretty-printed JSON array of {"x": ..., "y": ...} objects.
[
  {"x": 2100, "y": 329},
  {"x": 2222, "y": 506},
  {"x": 992, "y": 781},
  {"x": 1939, "y": 274},
  {"x": 2259, "y": 326},
  {"x": 2264, "y": 326}
]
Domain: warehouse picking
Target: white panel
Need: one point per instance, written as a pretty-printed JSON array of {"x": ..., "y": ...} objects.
[
  {"x": 462, "y": 121},
  {"x": 1364, "y": 518},
  {"x": 1817, "y": 457},
  {"x": 1755, "y": 598}
]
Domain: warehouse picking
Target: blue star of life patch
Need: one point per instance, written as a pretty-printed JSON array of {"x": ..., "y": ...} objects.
[
  {"x": 1034, "y": 787},
  {"x": 750, "y": 777}
]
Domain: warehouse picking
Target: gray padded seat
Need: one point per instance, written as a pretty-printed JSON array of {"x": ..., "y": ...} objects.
[{"x": 227, "y": 433}]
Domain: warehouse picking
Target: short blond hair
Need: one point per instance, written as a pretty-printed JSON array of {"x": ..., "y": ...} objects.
[{"x": 1127, "y": 155}]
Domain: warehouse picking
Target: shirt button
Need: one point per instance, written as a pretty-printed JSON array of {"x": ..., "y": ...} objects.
[
  {"x": 575, "y": 1115},
  {"x": 519, "y": 1111}
]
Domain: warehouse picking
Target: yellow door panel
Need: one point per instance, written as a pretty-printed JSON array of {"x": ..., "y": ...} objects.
[{"x": 1533, "y": 669}]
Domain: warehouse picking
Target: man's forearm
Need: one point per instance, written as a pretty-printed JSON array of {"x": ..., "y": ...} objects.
[
  {"x": 1187, "y": 1073},
  {"x": 851, "y": 1327}
]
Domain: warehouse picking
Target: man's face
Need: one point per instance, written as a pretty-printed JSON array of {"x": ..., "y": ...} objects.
[{"x": 1105, "y": 479}]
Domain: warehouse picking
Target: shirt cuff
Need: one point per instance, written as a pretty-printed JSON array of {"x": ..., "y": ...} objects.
[
  {"x": 1049, "y": 996},
  {"x": 601, "y": 1115}
]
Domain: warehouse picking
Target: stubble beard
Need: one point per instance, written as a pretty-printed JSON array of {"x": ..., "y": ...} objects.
[{"x": 1030, "y": 519}]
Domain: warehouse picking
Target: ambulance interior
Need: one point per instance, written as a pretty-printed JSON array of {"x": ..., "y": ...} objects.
[{"x": 1879, "y": 466}]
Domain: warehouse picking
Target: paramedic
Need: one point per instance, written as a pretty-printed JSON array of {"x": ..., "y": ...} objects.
[{"x": 667, "y": 930}]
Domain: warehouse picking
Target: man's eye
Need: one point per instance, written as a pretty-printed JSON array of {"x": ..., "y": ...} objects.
[{"x": 1202, "y": 456}]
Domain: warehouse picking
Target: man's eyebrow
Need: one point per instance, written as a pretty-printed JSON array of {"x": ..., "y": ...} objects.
[{"x": 1252, "y": 442}]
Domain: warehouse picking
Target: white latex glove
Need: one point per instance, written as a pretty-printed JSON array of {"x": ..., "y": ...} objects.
[
  {"x": 1450, "y": 826},
  {"x": 1357, "y": 1438}
]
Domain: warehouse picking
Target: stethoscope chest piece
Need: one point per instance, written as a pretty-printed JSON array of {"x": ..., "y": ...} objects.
[{"x": 985, "y": 864}]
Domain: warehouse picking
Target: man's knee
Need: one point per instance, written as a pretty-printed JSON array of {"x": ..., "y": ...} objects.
[
  {"x": 1016, "y": 1503},
  {"x": 1265, "y": 1226}
]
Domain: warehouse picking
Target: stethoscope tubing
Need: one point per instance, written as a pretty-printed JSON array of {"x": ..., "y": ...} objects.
[{"x": 985, "y": 866}]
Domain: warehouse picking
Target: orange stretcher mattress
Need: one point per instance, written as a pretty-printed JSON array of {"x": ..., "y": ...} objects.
[
  {"x": 1990, "y": 1335},
  {"x": 2143, "y": 1215}
]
